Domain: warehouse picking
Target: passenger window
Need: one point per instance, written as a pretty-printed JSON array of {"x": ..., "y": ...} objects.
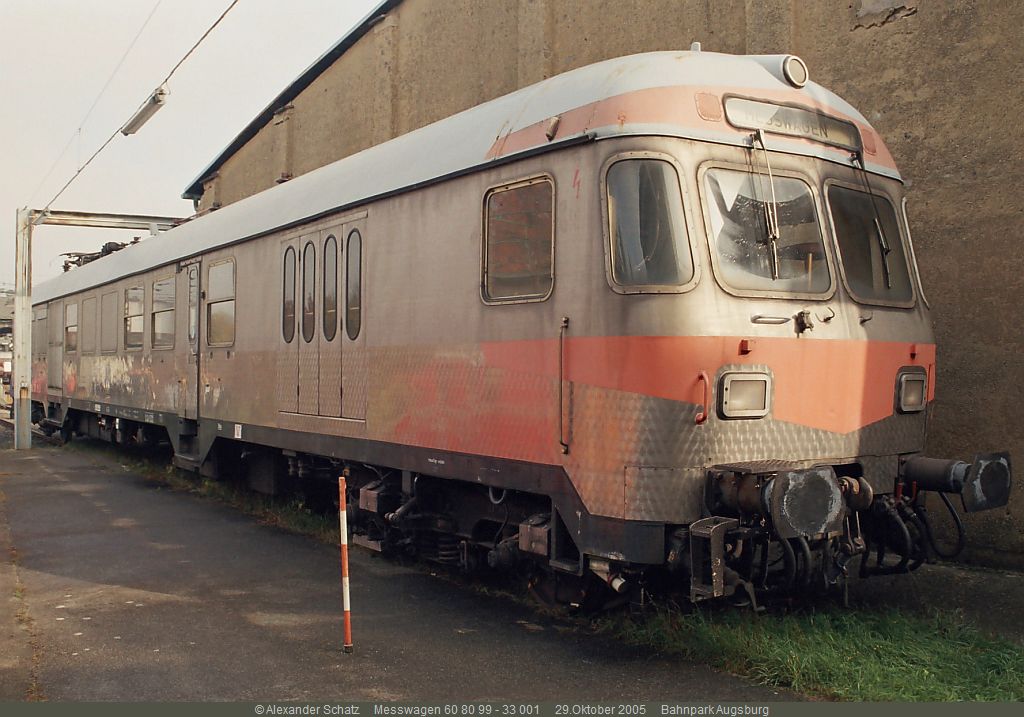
[
  {"x": 108, "y": 322},
  {"x": 39, "y": 340},
  {"x": 88, "y": 338},
  {"x": 134, "y": 300},
  {"x": 162, "y": 324},
  {"x": 220, "y": 303},
  {"x": 330, "y": 288},
  {"x": 308, "y": 292},
  {"x": 193, "y": 304},
  {"x": 288, "y": 297},
  {"x": 353, "y": 281},
  {"x": 519, "y": 242},
  {"x": 71, "y": 327},
  {"x": 649, "y": 244}
]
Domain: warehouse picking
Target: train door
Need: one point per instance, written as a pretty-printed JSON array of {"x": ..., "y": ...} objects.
[
  {"x": 288, "y": 343},
  {"x": 188, "y": 284},
  {"x": 309, "y": 334},
  {"x": 355, "y": 376},
  {"x": 330, "y": 370}
]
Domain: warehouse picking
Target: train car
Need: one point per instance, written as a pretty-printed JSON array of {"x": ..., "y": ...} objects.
[{"x": 659, "y": 315}]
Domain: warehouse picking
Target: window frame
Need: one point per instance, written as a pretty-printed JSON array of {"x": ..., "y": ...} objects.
[
  {"x": 913, "y": 255},
  {"x": 125, "y": 317},
  {"x": 67, "y": 325},
  {"x": 505, "y": 187},
  {"x": 153, "y": 313},
  {"x": 687, "y": 224},
  {"x": 326, "y": 309},
  {"x": 826, "y": 242},
  {"x": 879, "y": 193},
  {"x": 118, "y": 321},
  {"x": 82, "y": 333},
  {"x": 210, "y": 302},
  {"x": 308, "y": 246},
  {"x": 355, "y": 231},
  {"x": 285, "y": 323}
]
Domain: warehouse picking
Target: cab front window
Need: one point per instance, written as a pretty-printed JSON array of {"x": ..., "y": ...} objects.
[
  {"x": 764, "y": 233},
  {"x": 870, "y": 248}
]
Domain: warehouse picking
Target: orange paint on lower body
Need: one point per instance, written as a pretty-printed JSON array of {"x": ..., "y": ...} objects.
[{"x": 833, "y": 385}]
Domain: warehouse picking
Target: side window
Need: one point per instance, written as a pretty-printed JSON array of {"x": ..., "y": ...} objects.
[
  {"x": 162, "y": 324},
  {"x": 89, "y": 325},
  {"x": 288, "y": 296},
  {"x": 649, "y": 245},
  {"x": 39, "y": 341},
  {"x": 71, "y": 327},
  {"x": 353, "y": 284},
  {"x": 56, "y": 326},
  {"x": 330, "y": 288},
  {"x": 519, "y": 242},
  {"x": 193, "y": 304},
  {"x": 108, "y": 322},
  {"x": 308, "y": 292},
  {"x": 134, "y": 308},
  {"x": 220, "y": 303}
]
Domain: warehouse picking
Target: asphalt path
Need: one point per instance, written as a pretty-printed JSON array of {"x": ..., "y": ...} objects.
[{"x": 114, "y": 588}]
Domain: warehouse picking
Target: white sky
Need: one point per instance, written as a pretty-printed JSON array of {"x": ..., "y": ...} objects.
[{"x": 56, "y": 56}]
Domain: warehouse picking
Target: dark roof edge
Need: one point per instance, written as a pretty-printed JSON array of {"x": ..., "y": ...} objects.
[{"x": 195, "y": 189}]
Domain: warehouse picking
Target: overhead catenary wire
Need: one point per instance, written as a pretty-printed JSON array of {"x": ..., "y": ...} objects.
[
  {"x": 118, "y": 129},
  {"x": 77, "y": 134}
]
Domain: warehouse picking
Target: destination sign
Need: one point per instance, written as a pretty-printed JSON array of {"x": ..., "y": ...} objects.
[{"x": 792, "y": 121}]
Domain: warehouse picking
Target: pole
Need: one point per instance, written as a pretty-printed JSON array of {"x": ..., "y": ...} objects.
[
  {"x": 21, "y": 383},
  {"x": 343, "y": 525}
]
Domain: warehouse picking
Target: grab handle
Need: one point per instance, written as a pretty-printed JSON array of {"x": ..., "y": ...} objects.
[
  {"x": 563, "y": 327},
  {"x": 702, "y": 415}
]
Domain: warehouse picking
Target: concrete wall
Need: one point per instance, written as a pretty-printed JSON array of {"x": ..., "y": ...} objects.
[{"x": 937, "y": 78}]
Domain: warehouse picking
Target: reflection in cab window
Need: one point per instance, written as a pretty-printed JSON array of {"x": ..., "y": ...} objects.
[
  {"x": 308, "y": 292},
  {"x": 162, "y": 325},
  {"x": 741, "y": 206},
  {"x": 519, "y": 242},
  {"x": 220, "y": 304},
  {"x": 870, "y": 246},
  {"x": 648, "y": 232},
  {"x": 134, "y": 298}
]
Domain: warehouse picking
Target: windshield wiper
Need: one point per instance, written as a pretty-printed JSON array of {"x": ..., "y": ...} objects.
[
  {"x": 771, "y": 211},
  {"x": 883, "y": 243}
]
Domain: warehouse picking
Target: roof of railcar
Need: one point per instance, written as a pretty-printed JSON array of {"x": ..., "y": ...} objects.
[{"x": 633, "y": 95}]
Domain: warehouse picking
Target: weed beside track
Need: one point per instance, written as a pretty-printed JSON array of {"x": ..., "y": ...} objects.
[{"x": 870, "y": 655}]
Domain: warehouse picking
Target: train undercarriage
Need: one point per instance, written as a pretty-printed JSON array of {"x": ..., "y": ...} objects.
[{"x": 768, "y": 530}]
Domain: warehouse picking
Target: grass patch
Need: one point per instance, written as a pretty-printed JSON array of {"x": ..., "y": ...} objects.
[{"x": 841, "y": 654}]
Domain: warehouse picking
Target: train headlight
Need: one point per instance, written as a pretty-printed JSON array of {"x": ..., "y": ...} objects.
[
  {"x": 911, "y": 391},
  {"x": 745, "y": 395},
  {"x": 795, "y": 71}
]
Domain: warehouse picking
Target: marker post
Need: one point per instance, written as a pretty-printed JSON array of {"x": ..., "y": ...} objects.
[{"x": 343, "y": 529}]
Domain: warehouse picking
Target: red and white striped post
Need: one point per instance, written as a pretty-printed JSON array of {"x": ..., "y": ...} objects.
[{"x": 343, "y": 525}]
